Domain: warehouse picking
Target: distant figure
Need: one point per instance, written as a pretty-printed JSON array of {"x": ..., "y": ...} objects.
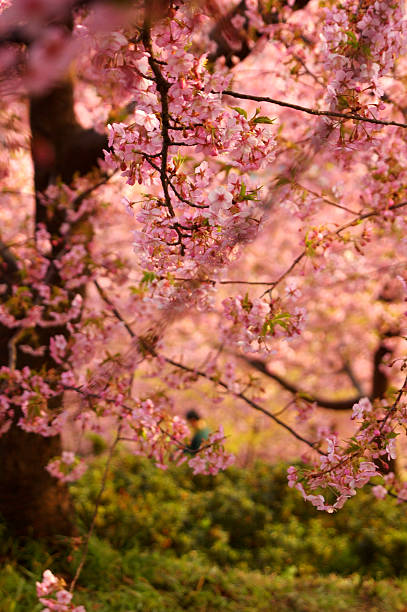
[{"x": 200, "y": 429}]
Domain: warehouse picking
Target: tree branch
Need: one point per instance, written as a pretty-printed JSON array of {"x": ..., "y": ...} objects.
[
  {"x": 380, "y": 380},
  {"x": 96, "y": 509},
  {"x": 347, "y": 368},
  {"x": 311, "y": 111},
  {"x": 352, "y": 223},
  {"x": 260, "y": 365}
]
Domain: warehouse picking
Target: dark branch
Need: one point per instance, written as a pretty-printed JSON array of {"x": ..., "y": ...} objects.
[
  {"x": 380, "y": 381},
  {"x": 347, "y": 368},
  {"x": 311, "y": 111},
  {"x": 347, "y": 404}
]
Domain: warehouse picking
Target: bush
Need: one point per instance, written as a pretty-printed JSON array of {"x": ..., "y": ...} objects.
[
  {"x": 246, "y": 518},
  {"x": 238, "y": 542}
]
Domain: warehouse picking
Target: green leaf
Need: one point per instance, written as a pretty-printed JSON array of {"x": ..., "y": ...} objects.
[
  {"x": 352, "y": 39},
  {"x": 283, "y": 181},
  {"x": 252, "y": 195},
  {"x": 268, "y": 328},
  {"x": 178, "y": 160},
  {"x": 136, "y": 290},
  {"x": 241, "y": 111},
  {"x": 246, "y": 303},
  {"x": 262, "y": 119},
  {"x": 282, "y": 319},
  {"x": 305, "y": 395},
  {"x": 148, "y": 277},
  {"x": 353, "y": 448}
]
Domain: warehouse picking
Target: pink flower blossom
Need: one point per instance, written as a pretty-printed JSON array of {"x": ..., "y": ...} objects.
[{"x": 379, "y": 491}]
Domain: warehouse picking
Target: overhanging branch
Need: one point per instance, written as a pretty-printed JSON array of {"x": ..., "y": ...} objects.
[
  {"x": 311, "y": 111},
  {"x": 260, "y": 366}
]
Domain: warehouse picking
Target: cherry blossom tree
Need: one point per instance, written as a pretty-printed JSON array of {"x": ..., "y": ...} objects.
[{"x": 193, "y": 194}]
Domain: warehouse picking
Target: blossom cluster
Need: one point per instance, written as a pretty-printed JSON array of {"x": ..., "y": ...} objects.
[
  {"x": 28, "y": 393},
  {"x": 188, "y": 165},
  {"x": 343, "y": 469},
  {"x": 361, "y": 47},
  {"x": 52, "y": 594},
  {"x": 215, "y": 459},
  {"x": 334, "y": 473},
  {"x": 191, "y": 222},
  {"x": 67, "y": 468},
  {"x": 255, "y": 322}
]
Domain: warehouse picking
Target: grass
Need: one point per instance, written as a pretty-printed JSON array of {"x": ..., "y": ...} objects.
[
  {"x": 240, "y": 542},
  {"x": 157, "y": 583}
]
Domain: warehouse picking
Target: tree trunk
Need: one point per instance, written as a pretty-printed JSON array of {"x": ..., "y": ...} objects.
[{"x": 31, "y": 501}]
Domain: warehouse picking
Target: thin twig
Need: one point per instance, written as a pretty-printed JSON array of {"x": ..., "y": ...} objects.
[
  {"x": 95, "y": 511},
  {"x": 79, "y": 198},
  {"x": 311, "y": 111},
  {"x": 114, "y": 310},
  {"x": 307, "y": 70},
  {"x": 324, "y": 199},
  {"x": 175, "y": 190},
  {"x": 347, "y": 368},
  {"x": 340, "y": 229},
  {"x": 402, "y": 390}
]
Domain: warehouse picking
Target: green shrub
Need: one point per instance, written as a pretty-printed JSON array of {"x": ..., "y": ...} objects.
[
  {"x": 246, "y": 518},
  {"x": 238, "y": 542}
]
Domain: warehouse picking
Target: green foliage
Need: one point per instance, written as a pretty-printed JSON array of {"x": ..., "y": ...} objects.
[
  {"x": 240, "y": 541},
  {"x": 239, "y": 110},
  {"x": 246, "y": 518},
  {"x": 153, "y": 582}
]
